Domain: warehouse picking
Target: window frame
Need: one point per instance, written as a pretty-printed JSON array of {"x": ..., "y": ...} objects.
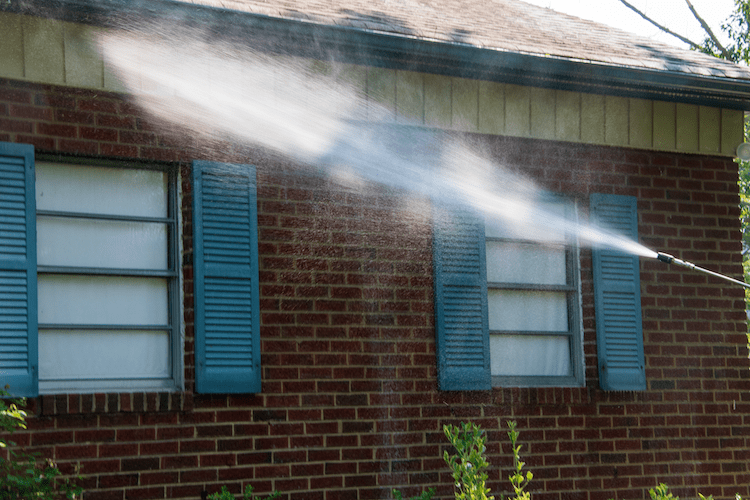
[
  {"x": 461, "y": 305},
  {"x": 172, "y": 274},
  {"x": 573, "y": 298}
]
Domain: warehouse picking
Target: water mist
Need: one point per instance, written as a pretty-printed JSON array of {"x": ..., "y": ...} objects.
[{"x": 234, "y": 93}]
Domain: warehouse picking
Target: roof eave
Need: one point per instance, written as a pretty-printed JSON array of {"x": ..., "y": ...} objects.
[{"x": 398, "y": 51}]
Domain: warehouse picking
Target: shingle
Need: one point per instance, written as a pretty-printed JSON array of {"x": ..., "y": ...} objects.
[{"x": 507, "y": 25}]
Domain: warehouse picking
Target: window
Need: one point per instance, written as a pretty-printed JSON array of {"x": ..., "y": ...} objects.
[
  {"x": 507, "y": 311},
  {"x": 89, "y": 295},
  {"x": 533, "y": 305},
  {"x": 107, "y": 310}
]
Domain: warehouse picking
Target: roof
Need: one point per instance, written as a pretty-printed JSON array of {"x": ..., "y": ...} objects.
[
  {"x": 504, "y": 25},
  {"x": 499, "y": 40}
]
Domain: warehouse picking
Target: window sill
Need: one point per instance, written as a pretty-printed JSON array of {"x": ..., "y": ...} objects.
[
  {"x": 504, "y": 382},
  {"x": 108, "y": 403}
]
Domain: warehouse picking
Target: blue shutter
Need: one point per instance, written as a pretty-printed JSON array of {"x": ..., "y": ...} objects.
[
  {"x": 18, "y": 309},
  {"x": 225, "y": 269},
  {"x": 617, "y": 289},
  {"x": 461, "y": 321}
]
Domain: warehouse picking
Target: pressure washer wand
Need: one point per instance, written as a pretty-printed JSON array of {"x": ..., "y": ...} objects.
[{"x": 670, "y": 259}]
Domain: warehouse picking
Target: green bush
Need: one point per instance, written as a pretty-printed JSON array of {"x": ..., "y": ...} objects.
[
  {"x": 225, "y": 494},
  {"x": 24, "y": 476},
  {"x": 425, "y": 495},
  {"x": 469, "y": 464},
  {"x": 518, "y": 479}
]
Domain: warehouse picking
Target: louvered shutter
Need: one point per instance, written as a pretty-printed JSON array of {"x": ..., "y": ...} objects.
[
  {"x": 18, "y": 306},
  {"x": 619, "y": 329},
  {"x": 461, "y": 321},
  {"x": 225, "y": 262}
]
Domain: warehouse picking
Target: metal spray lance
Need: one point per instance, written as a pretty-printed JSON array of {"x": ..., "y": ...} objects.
[{"x": 670, "y": 259}]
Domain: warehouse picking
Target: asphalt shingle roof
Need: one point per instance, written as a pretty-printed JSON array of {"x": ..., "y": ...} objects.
[{"x": 502, "y": 25}]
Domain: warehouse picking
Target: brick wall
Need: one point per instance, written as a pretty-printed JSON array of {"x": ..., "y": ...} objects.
[{"x": 349, "y": 407}]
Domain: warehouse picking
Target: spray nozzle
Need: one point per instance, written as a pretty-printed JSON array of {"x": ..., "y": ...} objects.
[
  {"x": 670, "y": 259},
  {"x": 665, "y": 257}
]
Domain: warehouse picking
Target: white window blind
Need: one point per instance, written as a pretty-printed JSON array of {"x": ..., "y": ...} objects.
[
  {"x": 105, "y": 278},
  {"x": 532, "y": 304}
]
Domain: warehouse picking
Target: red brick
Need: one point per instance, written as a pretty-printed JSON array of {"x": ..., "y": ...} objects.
[
  {"x": 75, "y": 452},
  {"x": 145, "y": 493},
  {"x": 179, "y": 462},
  {"x": 140, "y": 464},
  {"x": 145, "y": 434}
]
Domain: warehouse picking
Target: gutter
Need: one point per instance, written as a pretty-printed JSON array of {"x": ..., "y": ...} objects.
[{"x": 307, "y": 38}]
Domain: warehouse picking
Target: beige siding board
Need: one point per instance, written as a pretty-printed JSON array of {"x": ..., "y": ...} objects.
[
  {"x": 320, "y": 68},
  {"x": 592, "y": 118},
  {"x": 83, "y": 66},
  {"x": 11, "y": 46},
  {"x": 111, "y": 82},
  {"x": 491, "y": 108},
  {"x": 278, "y": 77},
  {"x": 664, "y": 126},
  {"x": 542, "y": 113},
  {"x": 616, "y": 121},
  {"x": 51, "y": 51},
  {"x": 709, "y": 130},
  {"x": 517, "y": 111},
  {"x": 437, "y": 101},
  {"x": 381, "y": 93},
  {"x": 732, "y": 130},
  {"x": 44, "y": 54},
  {"x": 410, "y": 97},
  {"x": 464, "y": 105},
  {"x": 353, "y": 76},
  {"x": 641, "y": 123},
  {"x": 568, "y": 116},
  {"x": 686, "y": 128}
]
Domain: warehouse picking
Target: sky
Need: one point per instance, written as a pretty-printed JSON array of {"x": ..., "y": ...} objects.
[{"x": 671, "y": 13}]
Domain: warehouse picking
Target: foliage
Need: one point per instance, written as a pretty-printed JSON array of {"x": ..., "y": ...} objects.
[
  {"x": 23, "y": 476},
  {"x": 737, "y": 29},
  {"x": 425, "y": 495},
  {"x": 468, "y": 464},
  {"x": 11, "y": 417},
  {"x": 744, "y": 184},
  {"x": 661, "y": 492},
  {"x": 518, "y": 479},
  {"x": 224, "y": 494}
]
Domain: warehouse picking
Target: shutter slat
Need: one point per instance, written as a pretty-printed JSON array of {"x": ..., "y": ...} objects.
[
  {"x": 18, "y": 299},
  {"x": 227, "y": 306},
  {"x": 619, "y": 330},
  {"x": 462, "y": 331}
]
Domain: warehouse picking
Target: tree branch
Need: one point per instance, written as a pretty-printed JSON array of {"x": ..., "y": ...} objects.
[
  {"x": 707, "y": 29},
  {"x": 663, "y": 28}
]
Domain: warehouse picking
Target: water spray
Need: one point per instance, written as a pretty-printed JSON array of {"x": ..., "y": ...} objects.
[
  {"x": 323, "y": 121},
  {"x": 670, "y": 259}
]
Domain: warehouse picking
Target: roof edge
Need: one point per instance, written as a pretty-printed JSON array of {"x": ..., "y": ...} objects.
[{"x": 309, "y": 38}]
